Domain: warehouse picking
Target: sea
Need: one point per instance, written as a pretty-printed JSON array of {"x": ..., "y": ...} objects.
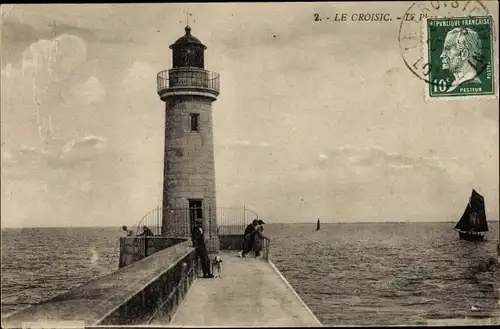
[{"x": 348, "y": 274}]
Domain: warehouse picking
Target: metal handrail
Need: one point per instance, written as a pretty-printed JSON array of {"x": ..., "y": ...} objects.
[
  {"x": 238, "y": 223},
  {"x": 156, "y": 214},
  {"x": 175, "y": 290},
  {"x": 265, "y": 248},
  {"x": 156, "y": 228},
  {"x": 251, "y": 211},
  {"x": 231, "y": 221}
]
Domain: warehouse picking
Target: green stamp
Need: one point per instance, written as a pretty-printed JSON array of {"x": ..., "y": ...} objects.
[{"x": 459, "y": 53}]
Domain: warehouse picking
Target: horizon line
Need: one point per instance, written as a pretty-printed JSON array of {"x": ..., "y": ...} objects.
[{"x": 269, "y": 223}]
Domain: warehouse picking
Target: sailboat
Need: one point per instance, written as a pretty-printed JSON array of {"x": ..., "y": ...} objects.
[
  {"x": 472, "y": 224},
  {"x": 317, "y": 226}
]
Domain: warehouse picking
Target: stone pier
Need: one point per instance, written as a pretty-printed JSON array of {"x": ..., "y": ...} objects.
[
  {"x": 250, "y": 292},
  {"x": 164, "y": 289}
]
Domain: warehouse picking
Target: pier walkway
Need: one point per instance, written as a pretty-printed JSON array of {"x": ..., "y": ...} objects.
[{"x": 251, "y": 292}]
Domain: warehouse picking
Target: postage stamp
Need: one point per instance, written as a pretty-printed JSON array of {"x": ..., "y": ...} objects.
[{"x": 459, "y": 53}]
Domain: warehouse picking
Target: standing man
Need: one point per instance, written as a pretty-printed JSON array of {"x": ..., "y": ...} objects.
[
  {"x": 146, "y": 232},
  {"x": 198, "y": 238},
  {"x": 248, "y": 238}
]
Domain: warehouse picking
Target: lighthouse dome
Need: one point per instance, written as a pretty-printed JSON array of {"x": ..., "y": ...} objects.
[{"x": 188, "y": 39}]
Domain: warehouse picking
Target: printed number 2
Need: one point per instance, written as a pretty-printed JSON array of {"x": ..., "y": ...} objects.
[{"x": 441, "y": 85}]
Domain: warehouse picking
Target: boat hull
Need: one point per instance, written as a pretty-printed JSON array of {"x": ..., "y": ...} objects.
[{"x": 470, "y": 236}]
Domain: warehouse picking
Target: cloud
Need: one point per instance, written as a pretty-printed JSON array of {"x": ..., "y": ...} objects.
[
  {"x": 78, "y": 151},
  {"x": 377, "y": 156},
  {"x": 59, "y": 55},
  {"x": 6, "y": 11},
  {"x": 245, "y": 144},
  {"x": 83, "y": 144},
  {"x": 30, "y": 150},
  {"x": 7, "y": 158},
  {"x": 33, "y": 89},
  {"x": 139, "y": 78},
  {"x": 16, "y": 35},
  {"x": 362, "y": 184},
  {"x": 30, "y": 159},
  {"x": 400, "y": 166},
  {"x": 90, "y": 92},
  {"x": 8, "y": 71},
  {"x": 94, "y": 173},
  {"x": 93, "y": 34},
  {"x": 82, "y": 172}
]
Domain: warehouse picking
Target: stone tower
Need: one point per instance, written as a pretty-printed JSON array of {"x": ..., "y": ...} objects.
[{"x": 188, "y": 91}]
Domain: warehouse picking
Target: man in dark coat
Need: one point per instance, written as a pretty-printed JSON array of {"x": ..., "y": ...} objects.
[
  {"x": 198, "y": 238},
  {"x": 146, "y": 231},
  {"x": 248, "y": 238}
]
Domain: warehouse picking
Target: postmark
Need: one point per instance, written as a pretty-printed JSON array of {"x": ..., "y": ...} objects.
[
  {"x": 413, "y": 36},
  {"x": 459, "y": 53}
]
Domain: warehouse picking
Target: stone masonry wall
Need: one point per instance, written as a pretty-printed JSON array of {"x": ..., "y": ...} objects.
[{"x": 189, "y": 170}]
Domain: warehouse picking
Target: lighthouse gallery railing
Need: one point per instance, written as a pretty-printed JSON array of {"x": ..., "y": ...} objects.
[{"x": 187, "y": 77}]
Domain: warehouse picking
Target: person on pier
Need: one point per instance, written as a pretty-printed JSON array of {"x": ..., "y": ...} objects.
[
  {"x": 198, "y": 239},
  {"x": 129, "y": 232},
  {"x": 258, "y": 239},
  {"x": 248, "y": 238},
  {"x": 146, "y": 231}
]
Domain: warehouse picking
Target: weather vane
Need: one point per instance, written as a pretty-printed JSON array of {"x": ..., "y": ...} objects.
[
  {"x": 187, "y": 16},
  {"x": 187, "y": 13}
]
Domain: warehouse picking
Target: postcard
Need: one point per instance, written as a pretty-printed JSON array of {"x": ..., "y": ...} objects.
[{"x": 250, "y": 164}]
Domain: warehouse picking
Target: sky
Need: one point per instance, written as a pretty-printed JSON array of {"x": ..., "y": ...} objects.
[{"x": 314, "y": 120}]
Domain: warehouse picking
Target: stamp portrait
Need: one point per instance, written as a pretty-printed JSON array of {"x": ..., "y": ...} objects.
[{"x": 460, "y": 56}]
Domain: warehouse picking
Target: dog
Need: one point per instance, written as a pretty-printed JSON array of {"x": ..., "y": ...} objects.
[{"x": 217, "y": 264}]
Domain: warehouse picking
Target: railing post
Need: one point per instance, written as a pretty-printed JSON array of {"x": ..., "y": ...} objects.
[
  {"x": 158, "y": 227},
  {"x": 268, "y": 244},
  {"x": 210, "y": 221},
  {"x": 244, "y": 215}
]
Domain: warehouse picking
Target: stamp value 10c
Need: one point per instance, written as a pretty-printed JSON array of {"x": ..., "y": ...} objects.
[{"x": 459, "y": 53}]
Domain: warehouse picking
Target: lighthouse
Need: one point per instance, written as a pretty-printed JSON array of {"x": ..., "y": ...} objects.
[{"x": 188, "y": 90}]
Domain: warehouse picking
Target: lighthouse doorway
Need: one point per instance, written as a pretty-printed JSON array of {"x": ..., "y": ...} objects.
[{"x": 195, "y": 211}]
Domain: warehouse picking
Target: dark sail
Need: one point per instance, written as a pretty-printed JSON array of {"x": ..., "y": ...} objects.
[
  {"x": 474, "y": 217},
  {"x": 317, "y": 225}
]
